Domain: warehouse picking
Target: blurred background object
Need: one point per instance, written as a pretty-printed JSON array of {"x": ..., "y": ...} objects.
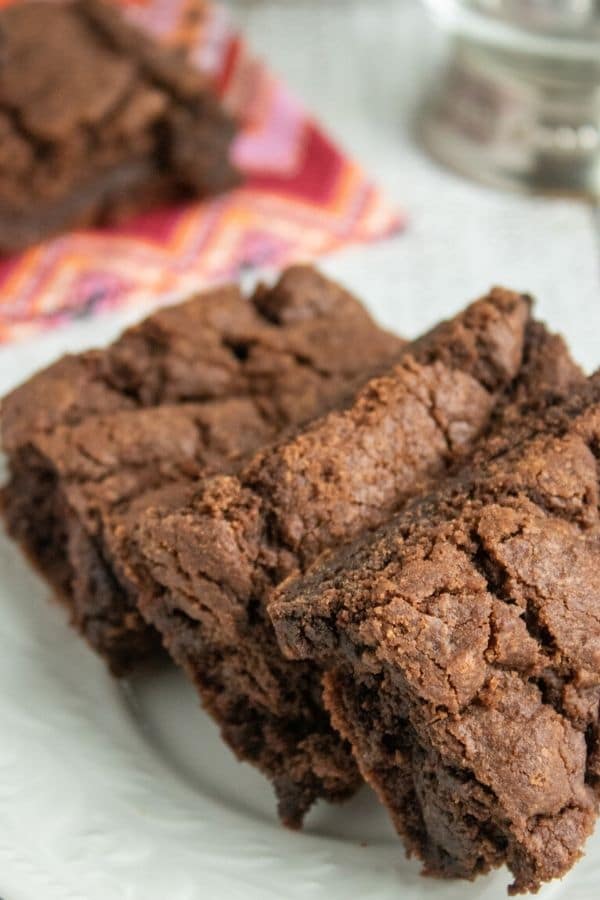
[
  {"x": 517, "y": 102},
  {"x": 360, "y": 67}
]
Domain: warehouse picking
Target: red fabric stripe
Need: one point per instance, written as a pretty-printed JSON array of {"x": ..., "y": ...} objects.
[
  {"x": 316, "y": 176},
  {"x": 230, "y": 59}
]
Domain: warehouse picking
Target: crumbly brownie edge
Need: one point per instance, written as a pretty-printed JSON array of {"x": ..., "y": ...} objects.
[{"x": 301, "y": 755}]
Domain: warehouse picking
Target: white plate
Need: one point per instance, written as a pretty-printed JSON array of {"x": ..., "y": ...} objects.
[
  {"x": 113, "y": 794},
  {"x": 125, "y": 792}
]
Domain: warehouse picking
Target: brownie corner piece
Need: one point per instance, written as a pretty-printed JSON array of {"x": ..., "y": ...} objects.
[{"x": 98, "y": 121}]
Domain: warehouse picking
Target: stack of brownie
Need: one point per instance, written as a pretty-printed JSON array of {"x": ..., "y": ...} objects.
[{"x": 374, "y": 560}]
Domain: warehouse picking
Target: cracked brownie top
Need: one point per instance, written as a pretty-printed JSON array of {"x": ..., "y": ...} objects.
[
  {"x": 339, "y": 475},
  {"x": 477, "y": 613},
  {"x": 285, "y": 348}
]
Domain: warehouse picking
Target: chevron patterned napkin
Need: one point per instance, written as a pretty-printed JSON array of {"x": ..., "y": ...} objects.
[{"x": 301, "y": 197}]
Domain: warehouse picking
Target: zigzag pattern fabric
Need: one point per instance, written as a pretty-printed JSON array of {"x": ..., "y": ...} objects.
[{"x": 301, "y": 197}]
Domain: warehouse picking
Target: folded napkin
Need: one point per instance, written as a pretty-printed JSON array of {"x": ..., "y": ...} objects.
[{"x": 301, "y": 197}]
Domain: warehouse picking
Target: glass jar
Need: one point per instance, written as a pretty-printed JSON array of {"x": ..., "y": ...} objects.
[{"x": 518, "y": 102}]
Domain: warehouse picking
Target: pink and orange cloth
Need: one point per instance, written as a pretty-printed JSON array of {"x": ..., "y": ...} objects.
[{"x": 301, "y": 197}]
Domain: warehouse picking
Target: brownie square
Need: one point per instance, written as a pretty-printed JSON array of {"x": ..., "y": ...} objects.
[
  {"x": 97, "y": 122},
  {"x": 461, "y": 649},
  {"x": 210, "y": 566},
  {"x": 193, "y": 389}
]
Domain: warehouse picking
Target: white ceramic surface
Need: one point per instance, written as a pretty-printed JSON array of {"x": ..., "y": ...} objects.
[{"x": 112, "y": 792}]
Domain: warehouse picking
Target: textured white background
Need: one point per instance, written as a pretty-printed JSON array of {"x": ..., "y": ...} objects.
[{"x": 107, "y": 795}]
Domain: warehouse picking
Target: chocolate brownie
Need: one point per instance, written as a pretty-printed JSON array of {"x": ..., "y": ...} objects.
[
  {"x": 193, "y": 388},
  {"x": 209, "y": 566},
  {"x": 97, "y": 121},
  {"x": 461, "y": 644}
]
